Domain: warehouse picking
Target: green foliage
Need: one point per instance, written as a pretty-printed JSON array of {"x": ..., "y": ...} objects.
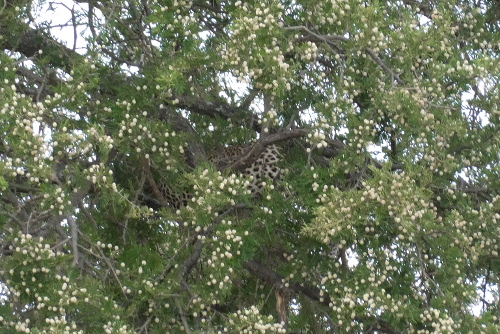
[{"x": 386, "y": 215}]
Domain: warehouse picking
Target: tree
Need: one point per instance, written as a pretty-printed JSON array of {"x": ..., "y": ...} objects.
[{"x": 115, "y": 218}]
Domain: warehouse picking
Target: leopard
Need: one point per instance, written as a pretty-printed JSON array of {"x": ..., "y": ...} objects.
[{"x": 265, "y": 167}]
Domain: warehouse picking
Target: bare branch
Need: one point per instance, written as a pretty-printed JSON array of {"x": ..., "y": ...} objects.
[
  {"x": 3, "y": 6},
  {"x": 74, "y": 239},
  {"x": 247, "y": 101},
  {"x": 260, "y": 145},
  {"x": 102, "y": 256},
  {"x": 327, "y": 39},
  {"x": 274, "y": 279},
  {"x": 384, "y": 66},
  {"x": 219, "y": 108},
  {"x": 183, "y": 316}
]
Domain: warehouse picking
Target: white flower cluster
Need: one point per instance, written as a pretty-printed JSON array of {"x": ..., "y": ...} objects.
[
  {"x": 317, "y": 137},
  {"x": 212, "y": 187},
  {"x": 35, "y": 248},
  {"x": 183, "y": 19},
  {"x": 261, "y": 56},
  {"x": 439, "y": 321},
  {"x": 252, "y": 322},
  {"x": 117, "y": 328}
]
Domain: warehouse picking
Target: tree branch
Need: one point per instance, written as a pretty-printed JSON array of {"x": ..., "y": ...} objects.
[
  {"x": 384, "y": 66},
  {"x": 256, "y": 150},
  {"x": 29, "y": 42},
  {"x": 328, "y": 40},
  {"x": 274, "y": 279},
  {"x": 152, "y": 183},
  {"x": 219, "y": 108}
]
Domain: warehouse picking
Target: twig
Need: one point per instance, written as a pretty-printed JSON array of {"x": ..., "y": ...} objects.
[
  {"x": 59, "y": 244},
  {"x": 144, "y": 327},
  {"x": 327, "y": 39},
  {"x": 183, "y": 316},
  {"x": 486, "y": 283},
  {"x": 247, "y": 101},
  {"x": 88, "y": 215},
  {"x": 74, "y": 239},
  {"x": 3, "y": 7},
  {"x": 74, "y": 24},
  {"x": 384, "y": 66},
  {"x": 425, "y": 274},
  {"x": 103, "y": 257},
  {"x": 120, "y": 60},
  {"x": 274, "y": 279},
  {"x": 290, "y": 124}
]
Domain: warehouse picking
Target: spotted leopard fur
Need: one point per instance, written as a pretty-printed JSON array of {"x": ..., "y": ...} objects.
[{"x": 264, "y": 168}]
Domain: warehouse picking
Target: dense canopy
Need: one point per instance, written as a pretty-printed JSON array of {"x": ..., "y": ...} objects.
[{"x": 118, "y": 213}]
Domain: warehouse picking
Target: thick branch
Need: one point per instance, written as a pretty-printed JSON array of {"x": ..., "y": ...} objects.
[
  {"x": 274, "y": 279},
  {"x": 219, "y": 108},
  {"x": 327, "y": 39},
  {"x": 152, "y": 183},
  {"x": 261, "y": 145},
  {"x": 384, "y": 66},
  {"x": 29, "y": 42}
]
